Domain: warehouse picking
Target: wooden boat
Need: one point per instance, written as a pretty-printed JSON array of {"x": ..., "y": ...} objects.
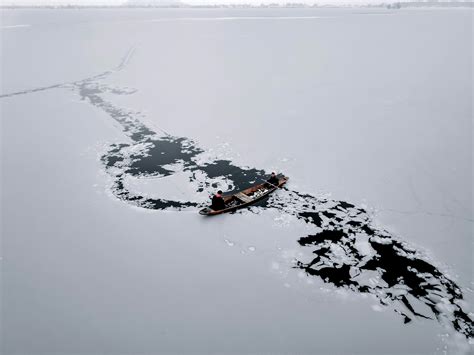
[{"x": 245, "y": 197}]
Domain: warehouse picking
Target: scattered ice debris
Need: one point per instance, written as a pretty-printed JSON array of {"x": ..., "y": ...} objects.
[
  {"x": 229, "y": 243},
  {"x": 251, "y": 248},
  {"x": 284, "y": 220}
]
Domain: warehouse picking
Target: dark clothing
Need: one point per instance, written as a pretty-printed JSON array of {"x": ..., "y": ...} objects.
[
  {"x": 217, "y": 203},
  {"x": 274, "y": 181}
]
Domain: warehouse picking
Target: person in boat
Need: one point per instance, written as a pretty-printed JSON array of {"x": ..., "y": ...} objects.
[
  {"x": 218, "y": 201},
  {"x": 273, "y": 180}
]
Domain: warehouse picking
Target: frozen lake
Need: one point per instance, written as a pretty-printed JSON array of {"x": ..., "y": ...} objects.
[{"x": 118, "y": 124}]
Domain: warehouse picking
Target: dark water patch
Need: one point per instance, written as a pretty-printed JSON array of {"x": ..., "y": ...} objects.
[
  {"x": 242, "y": 178},
  {"x": 112, "y": 160},
  {"x": 141, "y": 134},
  {"x": 346, "y": 250},
  {"x": 123, "y": 194},
  {"x": 349, "y": 252},
  {"x": 354, "y": 223},
  {"x": 344, "y": 205},
  {"x": 114, "y": 157},
  {"x": 325, "y": 235},
  {"x": 328, "y": 214},
  {"x": 399, "y": 270},
  {"x": 367, "y": 230},
  {"x": 161, "y": 204},
  {"x": 312, "y": 217},
  {"x": 128, "y": 120},
  {"x": 162, "y": 152}
]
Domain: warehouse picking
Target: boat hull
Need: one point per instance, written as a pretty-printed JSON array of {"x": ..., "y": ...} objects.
[{"x": 245, "y": 198}]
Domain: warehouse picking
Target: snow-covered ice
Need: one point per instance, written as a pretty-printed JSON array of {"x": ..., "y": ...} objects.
[{"x": 118, "y": 124}]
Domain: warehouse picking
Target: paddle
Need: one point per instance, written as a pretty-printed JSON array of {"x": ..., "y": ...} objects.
[
  {"x": 279, "y": 187},
  {"x": 267, "y": 182}
]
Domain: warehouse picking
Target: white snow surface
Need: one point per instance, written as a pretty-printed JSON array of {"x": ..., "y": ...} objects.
[{"x": 368, "y": 106}]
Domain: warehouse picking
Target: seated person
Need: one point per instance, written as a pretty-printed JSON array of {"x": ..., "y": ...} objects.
[
  {"x": 273, "y": 180},
  {"x": 218, "y": 201}
]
